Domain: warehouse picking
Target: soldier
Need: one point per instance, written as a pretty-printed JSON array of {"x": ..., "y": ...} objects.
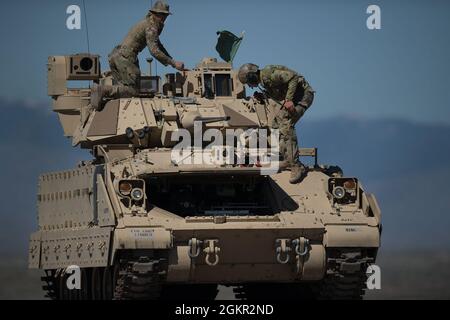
[
  {"x": 294, "y": 94},
  {"x": 123, "y": 60}
]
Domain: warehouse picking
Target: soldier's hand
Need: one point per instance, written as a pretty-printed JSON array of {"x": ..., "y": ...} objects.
[
  {"x": 179, "y": 65},
  {"x": 289, "y": 105}
]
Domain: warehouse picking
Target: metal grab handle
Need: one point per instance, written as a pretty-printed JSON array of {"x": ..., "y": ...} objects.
[
  {"x": 212, "y": 119},
  {"x": 194, "y": 248}
]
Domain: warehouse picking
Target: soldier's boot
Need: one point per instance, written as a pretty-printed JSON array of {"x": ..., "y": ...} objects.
[
  {"x": 298, "y": 172},
  {"x": 98, "y": 95}
]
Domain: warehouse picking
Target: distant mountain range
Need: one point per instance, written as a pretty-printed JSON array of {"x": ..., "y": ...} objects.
[{"x": 407, "y": 166}]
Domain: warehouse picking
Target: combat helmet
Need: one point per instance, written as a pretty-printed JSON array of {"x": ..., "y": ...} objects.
[
  {"x": 160, "y": 7},
  {"x": 248, "y": 73}
]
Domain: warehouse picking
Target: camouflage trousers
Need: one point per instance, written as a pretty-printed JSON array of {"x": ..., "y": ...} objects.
[
  {"x": 125, "y": 71},
  {"x": 285, "y": 122}
]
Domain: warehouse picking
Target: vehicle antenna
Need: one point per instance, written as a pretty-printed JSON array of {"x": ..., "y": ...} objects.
[{"x": 87, "y": 26}]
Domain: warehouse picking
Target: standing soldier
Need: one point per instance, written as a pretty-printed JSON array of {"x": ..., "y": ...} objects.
[
  {"x": 294, "y": 94},
  {"x": 123, "y": 60}
]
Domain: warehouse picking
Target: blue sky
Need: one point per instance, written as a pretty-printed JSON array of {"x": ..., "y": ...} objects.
[{"x": 401, "y": 71}]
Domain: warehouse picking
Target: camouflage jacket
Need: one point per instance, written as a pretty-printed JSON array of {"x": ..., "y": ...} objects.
[
  {"x": 146, "y": 33},
  {"x": 282, "y": 83}
]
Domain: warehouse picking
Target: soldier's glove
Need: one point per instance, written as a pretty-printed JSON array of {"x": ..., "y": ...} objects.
[
  {"x": 179, "y": 65},
  {"x": 289, "y": 105},
  {"x": 259, "y": 96}
]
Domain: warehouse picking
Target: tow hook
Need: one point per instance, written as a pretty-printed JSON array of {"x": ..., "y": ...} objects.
[
  {"x": 211, "y": 250},
  {"x": 194, "y": 248},
  {"x": 282, "y": 250},
  {"x": 301, "y": 246}
]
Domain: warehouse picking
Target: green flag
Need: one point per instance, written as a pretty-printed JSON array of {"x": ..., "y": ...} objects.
[{"x": 227, "y": 45}]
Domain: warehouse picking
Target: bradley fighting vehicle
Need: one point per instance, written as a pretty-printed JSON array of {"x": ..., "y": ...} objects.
[{"x": 141, "y": 225}]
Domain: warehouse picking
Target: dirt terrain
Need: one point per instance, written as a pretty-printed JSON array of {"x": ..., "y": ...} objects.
[{"x": 404, "y": 275}]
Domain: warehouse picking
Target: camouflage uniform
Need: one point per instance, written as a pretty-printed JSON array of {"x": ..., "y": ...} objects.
[
  {"x": 123, "y": 60},
  {"x": 281, "y": 84}
]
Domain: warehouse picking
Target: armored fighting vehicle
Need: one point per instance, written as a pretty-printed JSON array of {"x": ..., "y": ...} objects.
[{"x": 142, "y": 222}]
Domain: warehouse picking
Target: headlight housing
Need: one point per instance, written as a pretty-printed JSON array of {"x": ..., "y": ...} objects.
[
  {"x": 131, "y": 191},
  {"x": 137, "y": 194},
  {"x": 338, "y": 192},
  {"x": 343, "y": 190},
  {"x": 125, "y": 188}
]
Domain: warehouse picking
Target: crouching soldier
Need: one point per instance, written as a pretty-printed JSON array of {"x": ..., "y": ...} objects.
[
  {"x": 123, "y": 60},
  {"x": 294, "y": 94}
]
